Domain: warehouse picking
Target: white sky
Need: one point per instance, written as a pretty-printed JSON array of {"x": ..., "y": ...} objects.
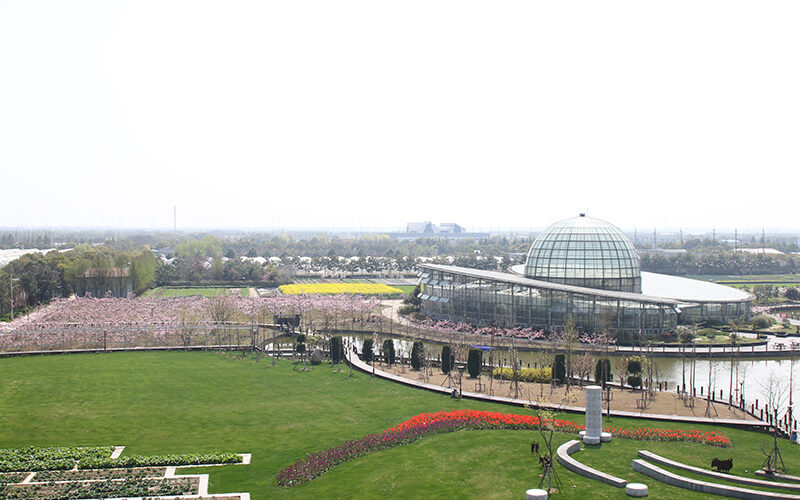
[{"x": 372, "y": 113}]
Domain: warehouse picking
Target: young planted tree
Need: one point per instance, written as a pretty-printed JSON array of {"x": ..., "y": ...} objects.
[
  {"x": 602, "y": 371},
  {"x": 417, "y": 352},
  {"x": 300, "y": 348},
  {"x": 448, "y": 360},
  {"x": 474, "y": 362},
  {"x": 366, "y": 351},
  {"x": 559, "y": 369},
  {"x": 622, "y": 371},
  {"x": 635, "y": 373},
  {"x": 388, "y": 351},
  {"x": 222, "y": 310},
  {"x": 583, "y": 366},
  {"x": 337, "y": 350},
  {"x": 190, "y": 322}
]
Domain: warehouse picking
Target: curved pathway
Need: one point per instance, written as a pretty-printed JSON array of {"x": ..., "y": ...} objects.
[
  {"x": 565, "y": 450},
  {"x": 687, "y": 483},
  {"x": 716, "y": 475},
  {"x": 371, "y": 369}
]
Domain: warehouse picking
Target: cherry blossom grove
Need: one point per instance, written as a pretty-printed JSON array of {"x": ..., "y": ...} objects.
[{"x": 102, "y": 322}]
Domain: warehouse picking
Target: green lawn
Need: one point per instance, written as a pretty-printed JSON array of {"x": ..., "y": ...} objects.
[
  {"x": 182, "y": 402},
  {"x": 185, "y": 292}
]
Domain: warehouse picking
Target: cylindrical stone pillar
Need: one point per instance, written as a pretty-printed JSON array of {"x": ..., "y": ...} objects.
[{"x": 594, "y": 414}]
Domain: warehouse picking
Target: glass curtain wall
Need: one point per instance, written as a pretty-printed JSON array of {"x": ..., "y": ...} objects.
[{"x": 480, "y": 301}]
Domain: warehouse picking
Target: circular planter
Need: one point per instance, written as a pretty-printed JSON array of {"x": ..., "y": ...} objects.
[
  {"x": 536, "y": 494},
  {"x": 636, "y": 489}
]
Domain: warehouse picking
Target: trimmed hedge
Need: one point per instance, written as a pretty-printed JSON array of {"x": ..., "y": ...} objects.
[
  {"x": 161, "y": 460},
  {"x": 416, "y": 355},
  {"x": 337, "y": 349},
  {"x": 474, "y": 362},
  {"x": 602, "y": 371},
  {"x": 448, "y": 360},
  {"x": 58, "y": 458},
  {"x": 366, "y": 351},
  {"x": 560, "y": 369},
  {"x": 388, "y": 352}
]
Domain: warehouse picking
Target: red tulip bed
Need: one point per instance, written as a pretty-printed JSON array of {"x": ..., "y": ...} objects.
[{"x": 421, "y": 425}]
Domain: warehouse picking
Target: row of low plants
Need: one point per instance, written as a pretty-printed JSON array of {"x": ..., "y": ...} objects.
[
  {"x": 538, "y": 375},
  {"x": 82, "y": 475},
  {"x": 12, "y": 477},
  {"x": 56, "y": 458},
  {"x": 65, "y": 458},
  {"x": 157, "y": 460},
  {"x": 318, "y": 463},
  {"x": 99, "y": 489}
]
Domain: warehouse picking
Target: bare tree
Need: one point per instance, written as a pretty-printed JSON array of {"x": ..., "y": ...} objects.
[
  {"x": 190, "y": 322},
  {"x": 222, "y": 310},
  {"x": 583, "y": 366},
  {"x": 776, "y": 393},
  {"x": 622, "y": 371}
]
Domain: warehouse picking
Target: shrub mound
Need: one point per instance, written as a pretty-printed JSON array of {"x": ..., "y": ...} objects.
[
  {"x": 538, "y": 375},
  {"x": 317, "y": 464}
]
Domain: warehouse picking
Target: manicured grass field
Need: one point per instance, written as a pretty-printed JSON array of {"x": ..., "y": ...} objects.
[
  {"x": 185, "y": 402},
  {"x": 185, "y": 292},
  {"x": 338, "y": 288}
]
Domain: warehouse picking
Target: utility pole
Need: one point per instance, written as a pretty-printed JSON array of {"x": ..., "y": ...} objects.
[{"x": 11, "y": 286}]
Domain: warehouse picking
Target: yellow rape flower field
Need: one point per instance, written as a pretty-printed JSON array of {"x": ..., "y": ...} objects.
[{"x": 336, "y": 288}]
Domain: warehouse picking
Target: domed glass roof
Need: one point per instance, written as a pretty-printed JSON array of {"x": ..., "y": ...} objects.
[{"x": 586, "y": 252}]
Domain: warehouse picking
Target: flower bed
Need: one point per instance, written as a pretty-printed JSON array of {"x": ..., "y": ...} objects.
[
  {"x": 650, "y": 434},
  {"x": 102, "y": 489},
  {"x": 83, "y": 475},
  {"x": 51, "y": 459},
  {"x": 318, "y": 463}
]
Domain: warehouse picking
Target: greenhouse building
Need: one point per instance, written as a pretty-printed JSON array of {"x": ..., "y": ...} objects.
[{"x": 580, "y": 269}]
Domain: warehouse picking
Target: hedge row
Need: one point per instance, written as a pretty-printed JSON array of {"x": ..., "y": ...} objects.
[
  {"x": 38, "y": 459},
  {"x": 161, "y": 460},
  {"x": 61, "y": 458}
]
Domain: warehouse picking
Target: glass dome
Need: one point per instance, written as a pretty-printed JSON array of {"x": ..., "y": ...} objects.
[{"x": 587, "y": 252}]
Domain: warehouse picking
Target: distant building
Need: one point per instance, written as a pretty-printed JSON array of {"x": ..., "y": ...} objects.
[
  {"x": 663, "y": 251},
  {"x": 428, "y": 229},
  {"x": 581, "y": 270},
  {"x": 116, "y": 282},
  {"x": 769, "y": 251}
]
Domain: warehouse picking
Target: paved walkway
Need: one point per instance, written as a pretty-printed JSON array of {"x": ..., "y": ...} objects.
[{"x": 370, "y": 369}]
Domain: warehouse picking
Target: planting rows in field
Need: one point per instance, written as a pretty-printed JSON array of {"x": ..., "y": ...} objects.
[{"x": 79, "y": 472}]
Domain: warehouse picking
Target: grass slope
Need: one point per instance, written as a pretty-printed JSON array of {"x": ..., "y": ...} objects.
[{"x": 179, "y": 402}]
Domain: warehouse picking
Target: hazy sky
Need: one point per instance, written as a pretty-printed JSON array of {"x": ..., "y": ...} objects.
[{"x": 372, "y": 113}]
